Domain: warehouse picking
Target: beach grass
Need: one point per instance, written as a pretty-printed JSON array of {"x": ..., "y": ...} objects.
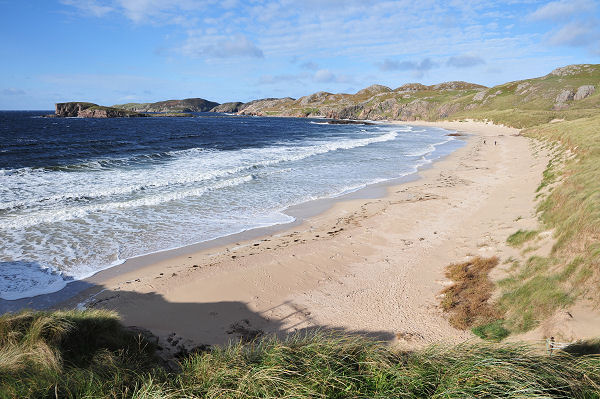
[
  {"x": 89, "y": 354},
  {"x": 520, "y": 237},
  {"x": 69, "y": 354},
  {"x": 571, "y": 209}
]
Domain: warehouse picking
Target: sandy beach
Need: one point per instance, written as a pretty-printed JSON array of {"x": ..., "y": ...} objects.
[{"x": 371, "y": 266}]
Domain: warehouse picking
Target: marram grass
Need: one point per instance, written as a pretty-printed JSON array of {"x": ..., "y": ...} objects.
[
  {"x": 89, "y": 355},
  {"x": 571, "y": 209}
]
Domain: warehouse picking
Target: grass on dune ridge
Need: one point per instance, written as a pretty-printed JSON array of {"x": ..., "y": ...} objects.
[
  {"x": 570, "y": 207},
  {"x": 89, "y": 354}
]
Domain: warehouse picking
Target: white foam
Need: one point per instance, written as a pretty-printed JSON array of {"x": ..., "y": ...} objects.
[
  {"x": 26, "y": 279},
  {"x": 192, "y": 166},
  {"x": 77, "y": 212}
]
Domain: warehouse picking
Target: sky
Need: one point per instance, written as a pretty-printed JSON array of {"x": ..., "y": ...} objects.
[{"x": 118, "y": 51}]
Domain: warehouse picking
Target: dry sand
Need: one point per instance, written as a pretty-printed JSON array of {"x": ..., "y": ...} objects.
[{"x": 365, "y": 265}]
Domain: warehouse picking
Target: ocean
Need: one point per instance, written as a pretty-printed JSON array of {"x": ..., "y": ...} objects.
[{"x": 81, "y": 195}]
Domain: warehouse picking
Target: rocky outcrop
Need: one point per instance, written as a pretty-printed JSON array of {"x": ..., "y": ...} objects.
[
  {"x": 411, "y": 87},
  {"x": 577, "y": 69},
  {"x": 228, "y": 107},
  {"x": 91, "y": 110},
  {"x": 317, "y": 97},
  {"x": 564, "y": 96},
  {"x": 71, "y": 109},
  {"x": 263, "y": 106},
  {"x": 583, "y": 92},
  {"x": 456, "y": 85},
  {"x": 373, "y": 90},
  {"x": 186, "y": 105},
  {"x": 480, "y": 96}
]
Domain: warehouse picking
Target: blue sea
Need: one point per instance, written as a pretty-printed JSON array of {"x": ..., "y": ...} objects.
[{"x": 80, "y": 195}]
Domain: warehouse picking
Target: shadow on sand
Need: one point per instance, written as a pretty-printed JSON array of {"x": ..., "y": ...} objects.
[{"x": 183, "y": 326}]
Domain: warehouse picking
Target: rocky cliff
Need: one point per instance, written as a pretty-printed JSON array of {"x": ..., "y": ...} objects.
[
  {"x": 91, "y": 110},
  {"x": 186, "y": 105}
]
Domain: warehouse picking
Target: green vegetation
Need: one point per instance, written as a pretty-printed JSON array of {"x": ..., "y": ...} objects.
[
  {"x": 493, "y": 331},
  {"x": 90, "y": 355},
  {"x": 572, "y": 210},
  {"x": 521, "y": 237},
  {"x": 69, "y": 354}
]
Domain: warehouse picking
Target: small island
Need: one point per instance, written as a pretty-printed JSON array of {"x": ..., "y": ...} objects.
[{"x": 170, "y": 108}]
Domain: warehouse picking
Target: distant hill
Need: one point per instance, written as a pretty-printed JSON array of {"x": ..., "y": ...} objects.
[
  {"x": 186, "y": 105},
  {"x": 565, "y": 93}
]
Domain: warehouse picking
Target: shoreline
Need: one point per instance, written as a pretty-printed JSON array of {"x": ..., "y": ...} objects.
[
  {"x": 299, "y": 212},
  {"x": 370, "y": 266}
]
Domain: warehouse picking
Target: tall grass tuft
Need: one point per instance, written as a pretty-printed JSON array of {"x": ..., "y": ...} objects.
[
  {"x": 69, "y": 354},
  {"x": 90, "y": 355}
]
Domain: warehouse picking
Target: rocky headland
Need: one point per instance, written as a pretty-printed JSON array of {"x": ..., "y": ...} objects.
[
  {"x": 90, "y": 110},
  {"x": 186, "y": 105},
  {"x": 77, "y": 109}
]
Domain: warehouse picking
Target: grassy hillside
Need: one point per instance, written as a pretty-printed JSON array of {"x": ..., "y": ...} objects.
[
  {"x": 524, "y": 103},
  {"x": 89, "y": 354}
]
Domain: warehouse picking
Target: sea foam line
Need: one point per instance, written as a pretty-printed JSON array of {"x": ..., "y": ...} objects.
[{"x": 247, "y": 157}]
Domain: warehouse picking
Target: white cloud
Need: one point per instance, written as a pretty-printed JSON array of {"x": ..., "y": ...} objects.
[
  {"x": 13, "y": 92},
  {"x": 419, "y": 68},
  {"x": 285, "y": 78},
  {"x": 575, "y": 23},
  {"x": 324, "y": 76},
  {"x": 464, "y": 61},
  {"x": 576, "y": 34},
  {"x": 309, "y": 65},
  {"x": 221, "y": 47},
  {"x": 562, "y": 9},
  {"x": 90, "y": 7}
]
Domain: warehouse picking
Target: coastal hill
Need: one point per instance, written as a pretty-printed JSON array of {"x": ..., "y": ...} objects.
[
  {"x": 564, "y": 93},
  {"x": 186, "y": 105}
]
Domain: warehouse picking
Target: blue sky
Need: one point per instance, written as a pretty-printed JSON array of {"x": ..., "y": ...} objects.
[{"x": 115, "y": 51}]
